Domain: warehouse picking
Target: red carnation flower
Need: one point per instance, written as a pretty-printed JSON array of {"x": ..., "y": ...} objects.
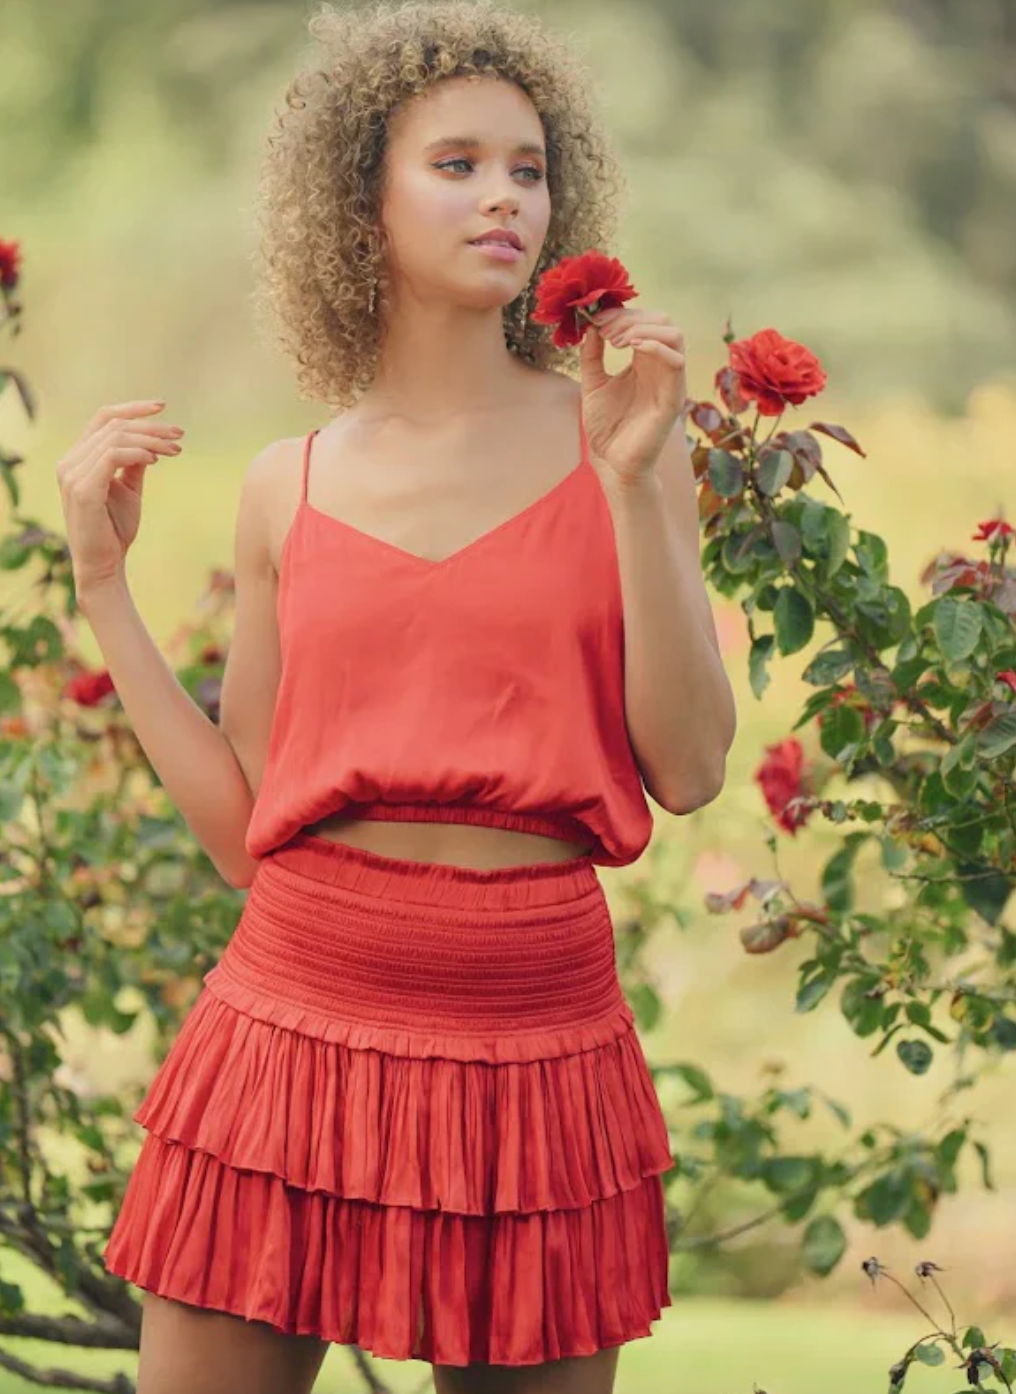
[
  {"x": 568, "y": 293},
  {"x": 987, "y": 530},
  {"x": 88, "y": 689},
  {"x": 10, "y": 257},
  {"x": 1008, "y": 676},
  {"x": 775, "y": 372},
  {"x": 780, "y": 776}
]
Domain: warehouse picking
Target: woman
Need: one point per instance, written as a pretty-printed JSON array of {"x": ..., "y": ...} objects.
[{"x": 409, "y": 1109}]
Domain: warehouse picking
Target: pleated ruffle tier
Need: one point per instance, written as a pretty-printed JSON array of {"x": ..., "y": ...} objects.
[{"x": 409, "y": 1110}]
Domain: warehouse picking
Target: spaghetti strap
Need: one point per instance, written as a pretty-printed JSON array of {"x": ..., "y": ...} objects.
[{"x": 306, "y": 462}]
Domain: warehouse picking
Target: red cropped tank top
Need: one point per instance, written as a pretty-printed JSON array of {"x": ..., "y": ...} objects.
[{"x": 484, "y": 687}]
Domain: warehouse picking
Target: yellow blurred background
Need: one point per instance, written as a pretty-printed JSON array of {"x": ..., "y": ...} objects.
[{"x": 844, "y": 170}]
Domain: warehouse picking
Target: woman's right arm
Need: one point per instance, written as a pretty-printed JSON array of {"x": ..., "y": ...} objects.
[{"x": 210, "y": 772}]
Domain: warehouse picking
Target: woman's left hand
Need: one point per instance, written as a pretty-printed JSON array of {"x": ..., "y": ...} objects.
[{"x": 629, "y": 415}]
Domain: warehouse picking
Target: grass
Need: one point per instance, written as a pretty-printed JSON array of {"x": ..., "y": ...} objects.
[{"x": 699, "y": 1347}]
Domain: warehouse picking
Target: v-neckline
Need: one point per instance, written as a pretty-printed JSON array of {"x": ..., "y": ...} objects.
[{"x": 430, "y": 564}]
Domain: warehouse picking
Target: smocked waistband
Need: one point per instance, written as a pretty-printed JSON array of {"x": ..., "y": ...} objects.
[{"x": 368, "y": 873}]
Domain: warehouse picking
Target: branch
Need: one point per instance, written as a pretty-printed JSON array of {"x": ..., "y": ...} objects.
[
  {"x": 71, "y": 1331},
  {"x": 65, "y": 1379},
  {"x": 374, "y": 1383}
]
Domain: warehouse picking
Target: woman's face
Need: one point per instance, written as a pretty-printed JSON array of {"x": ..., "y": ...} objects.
[{"x": 465, "y": 158}]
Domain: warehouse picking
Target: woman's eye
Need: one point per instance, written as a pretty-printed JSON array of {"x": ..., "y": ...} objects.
[{"x": 533, "y": 170}]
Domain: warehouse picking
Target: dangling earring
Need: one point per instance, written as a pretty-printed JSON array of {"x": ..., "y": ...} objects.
[{"x": 372, "y": 296}]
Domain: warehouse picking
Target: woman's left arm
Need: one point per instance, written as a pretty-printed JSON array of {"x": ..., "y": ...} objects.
[
  {"x": 678, "y": 701},
  {"x": 679, "y": 704}
]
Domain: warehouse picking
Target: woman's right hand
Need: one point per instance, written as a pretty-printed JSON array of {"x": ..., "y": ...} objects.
[{"x": 102, "y": 511}]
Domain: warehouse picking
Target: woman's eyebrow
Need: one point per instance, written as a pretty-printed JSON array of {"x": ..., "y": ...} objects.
[{"x": 471, "y": 142}]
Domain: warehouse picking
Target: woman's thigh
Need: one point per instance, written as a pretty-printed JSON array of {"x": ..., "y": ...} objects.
[
  {"x": 186, "y": 1348},
  {"x": 581, "y": 1374}
]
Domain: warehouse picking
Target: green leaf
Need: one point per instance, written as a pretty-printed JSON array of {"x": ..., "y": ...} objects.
[
  {"x": 726, "y": 474},
  {"x": 863, "y": 1012},
  {"x": 916, "y": 1055},
  {"x": 841, "y": 730},
  {"x": 985, "y": 1156},
  {"x": 696, "y": 1079},
  {"x": 828, "y": 667},
  {"x": 999, "y": 736},
  {"x": 951, "y": 1146},
  {"x": 758, "y": 659},
  {"x": 930, "y": 1354},
  {"x": 885, "y": 1200},
  {"x": 788, "y": 542},
  {"x": 12, "y": 1298},
  {"x": 785, "y": 1174},
  {"x": 839, "y": 543},
  {"x": 984, "y": 889},
  {"x": 10, "y": 694},
  {"x": 872, "y": 554},
  {"x": 838, "y": 1109},
  {"x": 917, "y": 1218},
  {"x": 795, "y": 1207},
  {"x": 13, "y": 554},
  {"x": 775, "y": 468},
  {"x": 1003, "y": 1032},
  {"x": 974, "y": 1337},
  {"x": 958, "y": 625},
  {"x": 645, "y": 1003},
  {"x": 812, "y": 990},
  {"x": 794, "y": 620},
  {"x": 824, "y": 1244},
  {"x": 837, "y": 874}
]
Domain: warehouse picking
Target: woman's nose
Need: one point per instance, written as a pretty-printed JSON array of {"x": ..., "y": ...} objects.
[{"x": 502, "y": 202}]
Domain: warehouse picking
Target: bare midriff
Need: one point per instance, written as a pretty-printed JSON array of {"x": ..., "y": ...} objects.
[{"x": 459, "y": 844}]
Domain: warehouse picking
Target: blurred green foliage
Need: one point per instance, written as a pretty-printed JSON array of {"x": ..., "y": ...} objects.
[{"x": 843, "y": 169}]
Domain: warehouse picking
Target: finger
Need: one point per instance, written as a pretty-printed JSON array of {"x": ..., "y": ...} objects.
[
  {"x": 591, "y": 360},
  {"x": 88, "y": 445},
  {"x": 144, "y": 407},
  {"x": 615, "y": 321},
  {"x": 102, "y": 454},
  {"x": 665, "y": 333},
  {"x": 645, "y": 329},
  {"x": 669, "y": 355},
  {"x": 88, "y": 489}
]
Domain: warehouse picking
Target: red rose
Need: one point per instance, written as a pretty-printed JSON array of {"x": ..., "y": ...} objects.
[
  {"x": 775, "y": 372},
  {"x": 780, "y": 778},
  {"x": 1008, "y": 676},
  {"x": 10, "y": 256},
  {"x": 987, "y": 530},
  {"x": 589, "y": 282},
  {"x": 87, "y": 689}
]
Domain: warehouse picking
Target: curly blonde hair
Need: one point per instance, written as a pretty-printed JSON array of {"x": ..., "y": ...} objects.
[{"x": 321, "y": 247}]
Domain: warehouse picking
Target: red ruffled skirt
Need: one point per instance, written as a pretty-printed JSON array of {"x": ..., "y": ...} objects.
[{"x": 408, "y": 1110}]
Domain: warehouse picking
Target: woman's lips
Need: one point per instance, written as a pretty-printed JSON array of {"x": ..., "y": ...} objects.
[{"x": 500, "y": 251}]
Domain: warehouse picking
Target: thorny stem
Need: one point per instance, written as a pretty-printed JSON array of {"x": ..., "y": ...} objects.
[
  {"x": 941, "y": 1293},
  {"x": 884, "y": 1273}
]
